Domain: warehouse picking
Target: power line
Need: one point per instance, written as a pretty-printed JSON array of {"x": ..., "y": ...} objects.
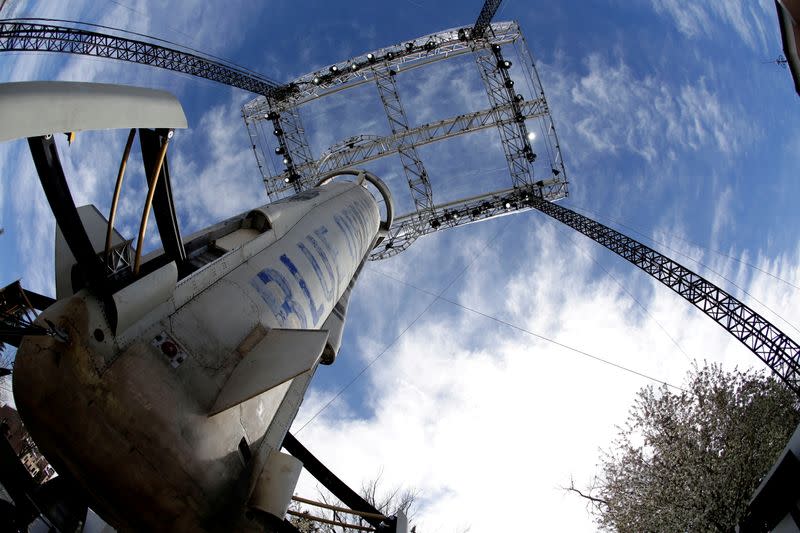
[
  {"x": 529, "y": 332},
  {"x": 397, "y": 338},
  {"x": 202, "y": 54},
  {"x": 620, "y": 285},
  {"x": 147, "y": 16},
  {"x": 723, "y": 254},
  {"x": 700, "y": 263}
]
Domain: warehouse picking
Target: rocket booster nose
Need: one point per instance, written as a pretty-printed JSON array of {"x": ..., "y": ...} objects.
[{"x": 362, "y": 178}]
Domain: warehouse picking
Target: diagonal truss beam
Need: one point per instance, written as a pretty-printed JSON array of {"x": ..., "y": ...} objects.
[
  {"x": 485, "y": 17},
  {"x": 771, "y": 345}
]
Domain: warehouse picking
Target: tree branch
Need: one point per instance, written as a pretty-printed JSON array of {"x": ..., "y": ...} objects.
[{"x": 573, "y": 488}]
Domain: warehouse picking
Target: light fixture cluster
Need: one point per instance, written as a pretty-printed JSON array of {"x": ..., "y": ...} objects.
[
  {"x": 281, "y": 149},
  {"x": 498, "y": 204},
  {"x": 503, "y": 65},
  {"x": 410, "y": 47}
]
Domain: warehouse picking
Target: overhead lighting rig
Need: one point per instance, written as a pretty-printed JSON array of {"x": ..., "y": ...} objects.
[{"x": 509, "y": 111}]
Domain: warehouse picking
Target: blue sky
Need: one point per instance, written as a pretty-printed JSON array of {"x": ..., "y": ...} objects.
[{"x": 670, "y": 123}]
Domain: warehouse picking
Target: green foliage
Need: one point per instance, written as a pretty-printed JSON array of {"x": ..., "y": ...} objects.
[{"x": 690, "y": 461}]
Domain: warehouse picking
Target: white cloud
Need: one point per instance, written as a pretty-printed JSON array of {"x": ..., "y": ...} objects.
[
  {"x": 708, "y": 19},
  {"x": 29, "y": 221},
  {"x": 224, "y": 180},
  {"x": 488, "y": 421},
  {"x": 613, "y": 109},
  {"x": 723, "y": 218}
]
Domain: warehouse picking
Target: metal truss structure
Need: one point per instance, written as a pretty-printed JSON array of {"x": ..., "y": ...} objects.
[
  {"x": 509, "y": 112},
  {"x": 24, "y": 35},
  {"x": 485, "y": 17},
  {"x": 771, "y": 345},
  {"x": 17, "y": 313},
  {"x": 513, "y": 133},
  {"x": 415, "y": 172},
  {"x": 407, "y": 228},
  {"x": 364, "y": 148},
  {"x": 277, "y": 109}
]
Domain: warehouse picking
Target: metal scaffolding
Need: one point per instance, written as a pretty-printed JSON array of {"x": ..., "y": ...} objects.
[
  {"x": 511, "y": 111},
  {"x": 418, "y": 182},
  {"x": 505, "y": 105},
  {"x": 364, "y": 148},
  {"x": 399, "y": 57},
  {"x": 278, "y": 109},
  {"x": 17, "y": 35}
]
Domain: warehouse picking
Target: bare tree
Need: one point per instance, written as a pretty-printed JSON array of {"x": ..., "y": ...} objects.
[
  {"x": 689, "y": 461},
  {"x": 387, "y": 502}
]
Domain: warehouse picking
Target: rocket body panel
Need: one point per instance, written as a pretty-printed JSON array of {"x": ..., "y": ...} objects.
[{"x": 125, "y": 413}]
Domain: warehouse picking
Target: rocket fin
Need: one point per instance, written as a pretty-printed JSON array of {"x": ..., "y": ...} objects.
[
  {"x": 95, "y": 224},
  {"x": 280, "y": 356}
]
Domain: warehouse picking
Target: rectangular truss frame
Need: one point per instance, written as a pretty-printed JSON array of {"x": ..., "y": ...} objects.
[{"x": 509, "y": 112}]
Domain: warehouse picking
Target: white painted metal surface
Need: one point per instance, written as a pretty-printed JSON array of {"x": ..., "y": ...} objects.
[
  {"x": 275, "y": 486},
  {"x": 96, "y": 225},
  {"x": 128, "y": 413},
  {"x": 35, "y": 108},
  {"x": 237, "y": 238},
  {"x": 280, "y": 355},
  {"x": 136, "y": 300},
  {"x": 402, "y": 522}
]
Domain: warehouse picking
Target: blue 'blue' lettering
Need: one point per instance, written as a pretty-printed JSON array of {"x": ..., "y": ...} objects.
[
  {"x": 281, "y": 309},
  {"x": 316, "y": 311}
]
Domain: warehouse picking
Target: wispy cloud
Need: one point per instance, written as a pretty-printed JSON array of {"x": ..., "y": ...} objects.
[
  {"x": 215, "y": 174},
  {"x": 612, "y": 108},
  {"x": 464, "y": 401},
  {"x": 710, "y": 19}
]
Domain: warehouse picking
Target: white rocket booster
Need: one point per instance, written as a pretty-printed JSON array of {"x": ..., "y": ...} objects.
[{"x": 167, "y": 401}]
